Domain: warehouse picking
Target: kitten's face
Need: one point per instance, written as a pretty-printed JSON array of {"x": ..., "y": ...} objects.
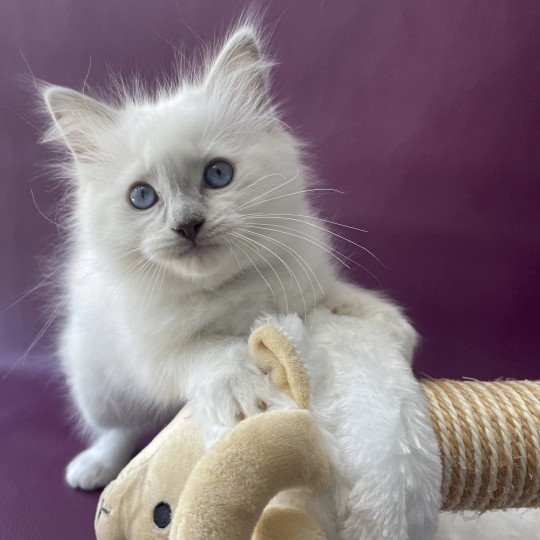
[
  {"x": 181, "y": 151},
  {"x": 176, "y": 179}
]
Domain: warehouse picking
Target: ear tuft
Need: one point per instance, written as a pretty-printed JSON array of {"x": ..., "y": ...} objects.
[
  {"x": 241, "y": 69},
  {"x": 79, "y": 119},
  {"x": 243, "y": 46}
]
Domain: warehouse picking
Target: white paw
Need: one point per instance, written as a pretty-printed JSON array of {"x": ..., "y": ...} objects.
[
  {"x": 91, "y": 470},
  {"x": 223, "y": 402}
]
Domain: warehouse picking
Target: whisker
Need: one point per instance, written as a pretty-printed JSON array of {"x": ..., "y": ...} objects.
[
  {"x": 36, "y": 339},
  {"x": 319, "y": 244},
  {"x": 309, "y": 217},
  {"x": 241, "y": 238},
  {"x": 329, "y": 232},
  {"x": 252, "y": 184},
  {"x": 298, "y": 257},
  {"x": 232, "y": 251},
  {"x": 322, "y": 190},
  {"x": 257, "y": 268},
  {"x": 150, "y": 268},
  {"x": 165, "y": 269},
  {"x": 156, "y": 279},
  {"x": 293, "y": 275},
  {"x": 49, "y": 279},
  {"x": 24, "y": 295},
  {"x": 330, "y": 250},
  {"x": 269, "y": 191}
]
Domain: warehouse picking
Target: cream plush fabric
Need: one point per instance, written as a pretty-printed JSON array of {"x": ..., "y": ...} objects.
[
  {"x": 221, "y": 494},
  {"x": 357, "y": 459},
  {"x": 156, "y": 475}
]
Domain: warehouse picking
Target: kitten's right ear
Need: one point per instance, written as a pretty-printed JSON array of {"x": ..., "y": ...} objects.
[{"x": 79, "y": 118}]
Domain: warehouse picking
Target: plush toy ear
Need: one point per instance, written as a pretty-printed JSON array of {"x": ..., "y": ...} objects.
[
  {"x": 240, "y": 69},
  {"x": 79, "y": 119},
  {"x": 274, "y": 354}
]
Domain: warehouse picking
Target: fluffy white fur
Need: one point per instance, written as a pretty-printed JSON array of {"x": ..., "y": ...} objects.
[
  {"x": 153, "y": 319},
  {"x": 374, "y": 417},
  {"x": 385, "y": 456}
]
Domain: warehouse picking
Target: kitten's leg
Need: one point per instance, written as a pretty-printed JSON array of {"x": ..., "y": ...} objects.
[
  {"x": 115, "y": 425},
  {"x": 96, "y": 466},
  {"x": 347, "y": 299}
]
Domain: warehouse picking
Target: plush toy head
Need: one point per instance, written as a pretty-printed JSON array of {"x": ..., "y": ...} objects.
[
  {"x": 141, "y": 501},
  {"x": 172, "y": 489}
]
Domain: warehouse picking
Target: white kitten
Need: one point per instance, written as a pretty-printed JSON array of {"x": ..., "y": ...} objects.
[{"x": 189, "y": 220}]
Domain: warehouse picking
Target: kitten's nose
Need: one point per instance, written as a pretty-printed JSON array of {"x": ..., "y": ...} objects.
[{"x": 189, "y": 229}]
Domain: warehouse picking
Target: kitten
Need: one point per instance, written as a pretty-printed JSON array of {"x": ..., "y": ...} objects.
[{"x": 189, "y": 220}]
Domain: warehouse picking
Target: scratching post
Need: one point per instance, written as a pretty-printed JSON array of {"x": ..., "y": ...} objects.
[{"x": 489, "y": 440}]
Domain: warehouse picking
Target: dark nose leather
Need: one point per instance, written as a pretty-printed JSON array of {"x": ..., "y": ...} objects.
[{"x": 189, "y": 229}]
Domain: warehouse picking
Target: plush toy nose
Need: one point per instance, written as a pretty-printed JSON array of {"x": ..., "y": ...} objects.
[{"x": 189, "y": 229}]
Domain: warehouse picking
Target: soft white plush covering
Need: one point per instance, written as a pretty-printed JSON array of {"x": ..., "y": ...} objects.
[{"x": 374, "y": 416}]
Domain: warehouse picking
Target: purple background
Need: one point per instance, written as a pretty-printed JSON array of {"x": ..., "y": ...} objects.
[{"x": 427, "y": 113}]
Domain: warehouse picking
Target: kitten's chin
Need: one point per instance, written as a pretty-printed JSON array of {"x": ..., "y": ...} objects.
[{"x": 198, "y": 263}]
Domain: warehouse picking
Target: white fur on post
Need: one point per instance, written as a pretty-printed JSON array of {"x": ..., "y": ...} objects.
[{"x": 374, "y": 417}]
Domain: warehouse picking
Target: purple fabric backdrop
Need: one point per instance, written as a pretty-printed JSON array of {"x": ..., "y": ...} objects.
[{"x": 425, "y": 112}]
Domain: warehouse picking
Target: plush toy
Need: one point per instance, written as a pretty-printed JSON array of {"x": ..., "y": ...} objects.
[
  {"x": 173, "y": 489},
  {"x": 487, "y": 435}
]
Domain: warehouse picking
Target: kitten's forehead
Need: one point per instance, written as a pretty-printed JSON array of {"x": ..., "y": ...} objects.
[
  {"x": 190, "y": 125},
  {"x": 163, "y": 129}
]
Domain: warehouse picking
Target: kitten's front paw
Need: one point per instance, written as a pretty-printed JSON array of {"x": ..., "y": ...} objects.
[
  {"x": 89, "y": 470},
  {"x": 226, "y": 401}
]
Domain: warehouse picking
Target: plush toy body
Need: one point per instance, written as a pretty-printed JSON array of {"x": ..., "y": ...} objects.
[{"x": 357, "y": 459}]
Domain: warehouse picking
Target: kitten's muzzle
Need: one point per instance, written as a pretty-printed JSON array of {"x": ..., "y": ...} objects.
[{"x": 189, "y": 229}]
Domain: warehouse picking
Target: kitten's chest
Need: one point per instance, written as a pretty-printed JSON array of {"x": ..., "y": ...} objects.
[{"x": 171, "y": 320}]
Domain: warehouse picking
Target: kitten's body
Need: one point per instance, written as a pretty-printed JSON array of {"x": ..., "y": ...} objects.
[{"x": 154, "y": 319}]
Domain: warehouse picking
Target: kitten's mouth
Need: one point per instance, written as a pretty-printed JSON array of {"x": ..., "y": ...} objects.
[{"x": 196, "y": 250}]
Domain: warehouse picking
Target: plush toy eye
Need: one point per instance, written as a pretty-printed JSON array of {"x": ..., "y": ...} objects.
[
  {"x": 142, "y": 196},
  {"x": 218, "y": 174},
  {"x": 162, "y": 515}
]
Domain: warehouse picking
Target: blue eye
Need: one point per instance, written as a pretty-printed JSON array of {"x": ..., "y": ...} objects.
[
  {"x": 218, "y": 174},
  {"x": 142, "y": 196}
]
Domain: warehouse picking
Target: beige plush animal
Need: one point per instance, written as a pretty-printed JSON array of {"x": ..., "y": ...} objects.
[
  {"x": 173, "y": 489},
  {"x": 488, "y": 436}
]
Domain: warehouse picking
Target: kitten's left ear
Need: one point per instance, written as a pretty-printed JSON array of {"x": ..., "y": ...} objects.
[
  {"x": 80, "y": 120},
  {"x": 241, "y": 68}
]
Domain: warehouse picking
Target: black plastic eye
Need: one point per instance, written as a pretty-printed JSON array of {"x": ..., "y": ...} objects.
[
  {"x": 218, "y": 174},
  {"x": 142, "y": 196},
  {"x": 162, "y": 515}
]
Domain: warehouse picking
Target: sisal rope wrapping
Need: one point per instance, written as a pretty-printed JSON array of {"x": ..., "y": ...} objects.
[{"x": 489, "y": 441}]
